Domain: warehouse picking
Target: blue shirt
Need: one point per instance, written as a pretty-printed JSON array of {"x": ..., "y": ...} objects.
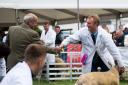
[{"x": 95, "y": 34}]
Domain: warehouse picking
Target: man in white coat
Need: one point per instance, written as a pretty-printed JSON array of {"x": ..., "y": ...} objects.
[
  {"x": 98, "y": 45},
  {"x": 21, "y": 73},
  {"x": 48, "y": 35}
]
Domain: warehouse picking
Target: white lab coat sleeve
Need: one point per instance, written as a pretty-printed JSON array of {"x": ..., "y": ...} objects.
[
  {"x": 112, "y": 48},
  {"x": 72, "y": 38},
  {"x": 20, "y": 82},
  {"x": 51, "y": 39}
]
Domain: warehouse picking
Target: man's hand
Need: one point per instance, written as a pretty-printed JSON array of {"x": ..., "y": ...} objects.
[
  {"x": 61, "y": 46},
  {"x": 57, "y": 49}
]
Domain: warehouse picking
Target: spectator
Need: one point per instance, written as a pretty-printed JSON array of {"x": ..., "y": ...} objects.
[
  {"x": 98, "y": 47},
  {"x": 19, "y": 37},
  {"x": 119, "y": 38},
  {"x": 58, "y": 42},
  {"x": 4, "y": 51},
  {"x": 5, "y": 36},
  {"x": 105, "y": 27},
  {"x": 4, "y": 42},
  {"x": 125, "y": 31},
  {"x": 21, "y": 73},
  {"x": 125, "y": 36},
  {"x": 1, "y": 35},
  {"x": 121, "y": 27},
  {"x": 58, "y": 35}
]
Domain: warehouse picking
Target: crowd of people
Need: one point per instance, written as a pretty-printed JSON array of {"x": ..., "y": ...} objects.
[
  {"x": 30, "y": 48},
  {"x": 118, "y": 36}
]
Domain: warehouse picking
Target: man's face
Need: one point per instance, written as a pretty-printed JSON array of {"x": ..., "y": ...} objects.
[
  {"x": 33, "y": 23},
  {"x": 46, "y": 26},
  {"x": 118, "y": 34},
  {"x": 91, "y": 25},
  {"x": 57, "y": 30}
]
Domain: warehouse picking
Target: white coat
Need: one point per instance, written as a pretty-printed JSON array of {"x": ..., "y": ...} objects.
[
  {"x": 20, "y": 74},
  {"x": 49, "y": 40},
  {"x": 105, "y": 47}
]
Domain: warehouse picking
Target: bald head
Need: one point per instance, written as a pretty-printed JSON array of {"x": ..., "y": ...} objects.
[
  {"x": 30, "y": 16},
  {"x": 31, "y": 20},
  {"x": 119, "y": 33}
]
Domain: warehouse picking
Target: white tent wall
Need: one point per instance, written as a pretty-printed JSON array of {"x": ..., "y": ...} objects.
[
  {"x": 59, "y": 4},
  {"x": 38, "y": 4},
  {"x": 103, "y": 3}
]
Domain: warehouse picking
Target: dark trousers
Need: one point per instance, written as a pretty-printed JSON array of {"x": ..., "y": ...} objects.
[
  {"x": 97, "y": 62},
  {"x": 1, "y": 77}
]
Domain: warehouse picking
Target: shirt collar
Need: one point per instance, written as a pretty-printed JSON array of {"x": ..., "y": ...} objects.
[{"x": 94, "y": 33}]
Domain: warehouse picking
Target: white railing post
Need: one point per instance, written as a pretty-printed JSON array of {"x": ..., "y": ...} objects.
[
  {"x": 71, "y": 73},
  {"x": 70, "y": 66},
  {"x": 47, "y": 71}
]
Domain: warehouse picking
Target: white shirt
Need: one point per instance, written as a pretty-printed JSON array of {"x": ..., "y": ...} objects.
[
  {"x": 20, "y": 74},
  {"x": 2, "y": 67},
  {"x": 4, "y": 39},
  {"x": 49, "y": 39},
  {"x": 126, "y": 40},
  {"x": 104, "y": 46}
]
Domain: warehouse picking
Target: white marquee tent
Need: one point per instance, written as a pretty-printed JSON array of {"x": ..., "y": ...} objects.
[
  {"x": 62, "y": 4},
  {"x": 63, "y": 11}
]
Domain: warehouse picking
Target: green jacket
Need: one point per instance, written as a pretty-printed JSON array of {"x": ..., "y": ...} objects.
[{"x": 19, "y": 37}]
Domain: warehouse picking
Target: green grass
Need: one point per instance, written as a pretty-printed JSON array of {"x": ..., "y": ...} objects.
[
  {"x": 63, "y": 82},
  {"x": 54, "y": 82},
  {"x": 124, "y": 82}
]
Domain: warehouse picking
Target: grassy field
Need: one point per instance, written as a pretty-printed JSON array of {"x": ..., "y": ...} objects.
[{"x": 64, "y": 82}]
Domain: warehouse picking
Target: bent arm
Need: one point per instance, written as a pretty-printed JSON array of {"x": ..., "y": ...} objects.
[{"x": 112, "y": 48}]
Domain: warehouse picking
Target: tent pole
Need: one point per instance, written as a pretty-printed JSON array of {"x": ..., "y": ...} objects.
[
  {"x": 17, "y": 16},
  {"x": 120, "y": 19},
  {"x": 78, "y": 13},
  {"x": 117, "y": 21}
]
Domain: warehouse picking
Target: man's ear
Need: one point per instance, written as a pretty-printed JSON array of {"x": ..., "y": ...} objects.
[{"x": 40, "y": 60}]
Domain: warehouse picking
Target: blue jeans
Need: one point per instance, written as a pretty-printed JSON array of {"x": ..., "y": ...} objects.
[{"x": 64, "y": 55}]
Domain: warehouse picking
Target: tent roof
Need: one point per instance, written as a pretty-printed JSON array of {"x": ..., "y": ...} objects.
[
  {"x": 68, "y": 14},
  {"x": 64, "y": 11},
  {"x": 63, "y": 16}
]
